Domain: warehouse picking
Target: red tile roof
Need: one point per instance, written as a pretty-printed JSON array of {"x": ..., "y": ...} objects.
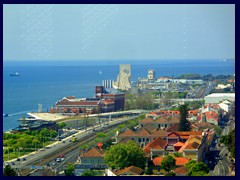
[
  {"x": 130, "y": 170},
  {"x": 180, "y": 161},
  {"x": 158, "y": 143},
  {"x": 127, "y": 133},
  {"x": 94, "y": 152},
  {"x": 179, "y": 144},
  {"x": 150, "y": 128},
  {"x": 188, "y": 133},
  {"x": 172, "y": 128},
  {"x": 78, "y": 103},
  {"x": 108, "y": 101},
  {"x": 147, "y": 120},
  {"x": 142, "y": 132},
  {"x": 193, "y": 145},
  {"x": 160, "y": 133},
  {"x": 211, "y": 115}
]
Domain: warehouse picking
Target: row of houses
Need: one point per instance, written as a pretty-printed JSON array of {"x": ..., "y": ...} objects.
[{"x": 156, "y": 143}]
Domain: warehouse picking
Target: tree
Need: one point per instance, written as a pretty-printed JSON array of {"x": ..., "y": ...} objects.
[
  {"x": 197, "y": 169},
  {"x": 70, "y": 170},
  {"x": 190, "y": 164},
  {"x": 124, "y": 155},
  {"x": 149, "y": 170},
  {"x": 184, "y": 124},
  {"x": 61, "y": 125},
  {"x": 218, "y": 130},
  {"x": 8, "y": 171},
  {"x": 88, "y": 173},
  {"x": 170, "y": 174},
  {"x": 168, "y": 163}
]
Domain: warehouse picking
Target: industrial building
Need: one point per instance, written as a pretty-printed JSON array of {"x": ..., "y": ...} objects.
[
  {"x": 104, "y": 101},
  {"x": 215, "y": 98}
]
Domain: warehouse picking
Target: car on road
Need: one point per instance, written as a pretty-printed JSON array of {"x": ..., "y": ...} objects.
[
  {"x": 24, "y": 159},
  {"x": 18, "y": 159},
  {"x": 13, "y": 163},
  {"x": 62, "y": 159},
  {"x": 58, "y": 159}
]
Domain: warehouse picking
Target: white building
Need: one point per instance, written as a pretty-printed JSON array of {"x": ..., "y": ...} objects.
[
  {"x": 217, "y": 97},
  {"x": 225, "y": 105},
  {"x": 151, "y": 74}
]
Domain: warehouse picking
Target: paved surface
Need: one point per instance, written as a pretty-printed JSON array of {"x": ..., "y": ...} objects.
[
  {"x": 47, "y": 116},
  {"x": 38, "y": 155}
]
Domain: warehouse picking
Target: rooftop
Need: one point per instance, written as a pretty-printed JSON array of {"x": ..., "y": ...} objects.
[
  {"x": 221, "y": 95},
  {"x": 94, "y": 152},
  {"x": 132, "y": 169}
]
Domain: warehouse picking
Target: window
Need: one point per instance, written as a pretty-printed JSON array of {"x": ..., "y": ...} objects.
[
  {"x": 139, "y": 139},
  {"x": 143, "y": 139},
  {"x": 147, "y": 139}
]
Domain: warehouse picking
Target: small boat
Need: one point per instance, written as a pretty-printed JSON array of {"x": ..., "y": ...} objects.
[
  {"x": 5, "y": 115},
  {"x": 15, "y": 74}
]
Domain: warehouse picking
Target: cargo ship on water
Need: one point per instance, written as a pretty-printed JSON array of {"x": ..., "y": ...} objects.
[{"x": 15, "y": 74}]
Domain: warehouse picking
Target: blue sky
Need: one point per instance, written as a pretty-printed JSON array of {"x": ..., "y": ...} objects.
[{"x": 118, "y": 32}]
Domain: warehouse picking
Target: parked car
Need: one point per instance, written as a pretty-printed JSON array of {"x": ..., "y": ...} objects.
[
  {"x": 58, "y": 160},
  {"x": 18, "y": 159},
  {"x": 24, "y": 159}
]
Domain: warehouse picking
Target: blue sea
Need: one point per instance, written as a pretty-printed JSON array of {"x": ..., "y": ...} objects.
[{"x": 45, "y": 82}]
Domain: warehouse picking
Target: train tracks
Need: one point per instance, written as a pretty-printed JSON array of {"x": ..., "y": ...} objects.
[{"x": 27, "y": 171}]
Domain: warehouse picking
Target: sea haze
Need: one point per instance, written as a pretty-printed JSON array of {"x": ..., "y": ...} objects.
[{"x": 45, "y": 82}]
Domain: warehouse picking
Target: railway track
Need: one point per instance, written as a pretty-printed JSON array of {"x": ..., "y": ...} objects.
[
  {"x": 56, "y": 154},
  {"x": 200, "y": 93},
  {"x": 27, "y": 171}
]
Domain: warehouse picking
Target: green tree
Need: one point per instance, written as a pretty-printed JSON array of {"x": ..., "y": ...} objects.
[
  {"x": 170, "y": 174},
  {"x": 218, "y": 130},
  {"x": 101, "y": 135},
  {"x": 88, "y": 173},
  {"x": 190, "y": 164},
  {"x": 198, "y": 168},
  {"x": 199, "y": 173},
  {"x": 61, "y": 125},
  {"x": 53, "y": 134},
  {"x": 124, "y": 155},
  {"x": 149, "y": 170},
  {"x": 8, "y": 171},
  {"x": 184, "y": 124},
  {"x": 70, "y": 170},
  {"x": 168, "y": 163}
]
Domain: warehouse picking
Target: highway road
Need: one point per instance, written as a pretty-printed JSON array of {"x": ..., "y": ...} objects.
[{"x": 81, "y": 134}]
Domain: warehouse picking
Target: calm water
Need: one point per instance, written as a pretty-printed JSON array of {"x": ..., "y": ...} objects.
[{"x": 46, "y": 82}]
